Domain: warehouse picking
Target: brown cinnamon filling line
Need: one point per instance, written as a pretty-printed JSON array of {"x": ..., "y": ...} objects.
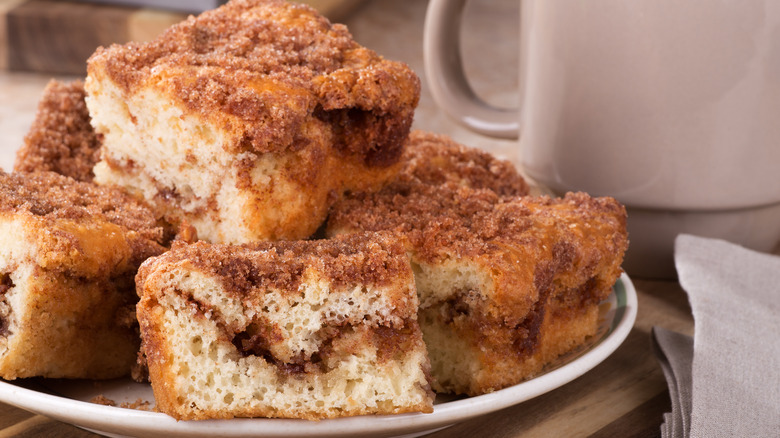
[
  {"x": 6, "y": 284},
  {"x": 390, "y": 343},
  {"x": 575, "y": 300},
  {"x": 463, "y": 314},
  {"x": 165, "y": 195},
  {"x": 171, "y": 196}
]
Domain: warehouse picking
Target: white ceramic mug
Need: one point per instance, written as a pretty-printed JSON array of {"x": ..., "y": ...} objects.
[{"x": 672, "y": 107}]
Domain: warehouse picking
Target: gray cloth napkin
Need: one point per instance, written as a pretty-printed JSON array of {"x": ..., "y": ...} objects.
[
  {"x": 734, "y": 386},
  {"x": 675, "y": 354}
]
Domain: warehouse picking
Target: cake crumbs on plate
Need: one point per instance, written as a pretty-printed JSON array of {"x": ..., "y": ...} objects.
[{"x": 139, "y": 404}]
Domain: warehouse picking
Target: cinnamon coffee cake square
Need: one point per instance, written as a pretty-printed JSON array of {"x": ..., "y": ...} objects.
[
  {"x": 250, "y": 120},
  {"x": 69, "y": 252},
  {"x": 305, "y": 329}
]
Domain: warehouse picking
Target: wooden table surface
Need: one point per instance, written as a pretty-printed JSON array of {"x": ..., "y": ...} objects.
[{"x": 624, "y": 396}]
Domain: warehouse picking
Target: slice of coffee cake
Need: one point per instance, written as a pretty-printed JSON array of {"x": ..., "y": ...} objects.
[
  {"x": 506, "y": 285},
  {"x": 61, "y": 138},
  {"x": 248, "y": 121},
  {"x": 306, "y": 329},
  {"x": 69, "y": 252}
]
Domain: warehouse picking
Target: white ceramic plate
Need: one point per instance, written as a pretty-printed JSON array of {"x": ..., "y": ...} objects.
[{"x": 68, "y": 401}]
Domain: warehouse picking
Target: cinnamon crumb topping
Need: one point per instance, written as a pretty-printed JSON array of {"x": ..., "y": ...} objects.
[
  {"x": 53, "y": 196},
  {"x": 61, "y": 138},
  {"x": 436, "y": 159},
  {"x": 445, "y": 219},
  {"x": 252, "y": 268},
  {"x": 263, "y": 68}
]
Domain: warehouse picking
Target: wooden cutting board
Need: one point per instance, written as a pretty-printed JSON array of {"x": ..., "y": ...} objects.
[{"x": 57, "y": 37}]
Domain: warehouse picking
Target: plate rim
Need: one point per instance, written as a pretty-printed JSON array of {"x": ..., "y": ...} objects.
[{"x": 96, "y": 417}]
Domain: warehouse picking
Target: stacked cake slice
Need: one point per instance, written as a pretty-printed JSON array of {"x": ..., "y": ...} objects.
[{"x": 250, "y": 120}]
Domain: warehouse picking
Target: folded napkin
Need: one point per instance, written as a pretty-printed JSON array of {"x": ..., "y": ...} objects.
[
  {"x": 675, "y": 354},
  {"x": 727, "y": 382}
]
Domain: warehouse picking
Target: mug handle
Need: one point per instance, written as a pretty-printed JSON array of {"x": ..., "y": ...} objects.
[{"x": 447, "y": 80}]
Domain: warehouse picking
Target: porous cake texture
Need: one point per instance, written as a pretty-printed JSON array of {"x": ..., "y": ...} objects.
[
  {"x": 306, "y": 329},
  {"x": 61, "y": 138},
  {"x": 69, "y": 252},
  {"x": 506, "y": 284},
  {"x": 248, "y": 121}
]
